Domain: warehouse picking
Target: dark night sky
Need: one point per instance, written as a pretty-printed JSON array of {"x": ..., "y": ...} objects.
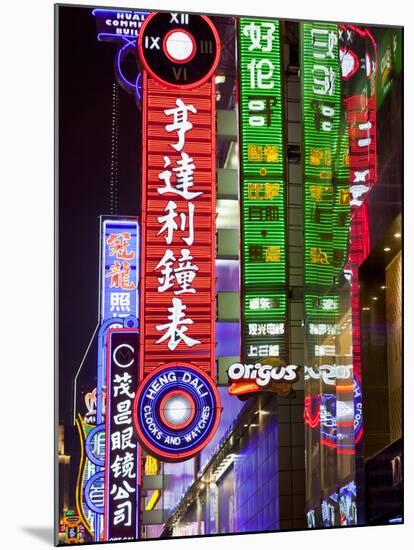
[{"x": 86, "y": 78}]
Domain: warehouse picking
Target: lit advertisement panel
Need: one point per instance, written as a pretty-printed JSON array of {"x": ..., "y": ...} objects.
[
  {"x": 390, "y": 61},
  {"x": 118, "y": 306},
  {"x": 321, "y": 108},
  {"x": 176, "y": 411},
  {"x": 89, "y": 487},
  {"x": 359, "y": 74},
  {"x": 263, "y": 248},
  {"x": 179, "y": 53},
  {"x": 359, "y": 67},
  {"x": 121, "y": 27},
  {"x": 329, "y": 399},
  {"x": 119, "y": 268},
  {"x": 121, "y": 457},
  {"x": 118, "y": 25}
]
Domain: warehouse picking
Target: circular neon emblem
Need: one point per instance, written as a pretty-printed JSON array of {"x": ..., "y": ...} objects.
[
  {"x": 176, "y": 411},
  {"x": 95, "y": 445},
  {"x": 179, "y": 50},
  {"x": 93, "y": 492}
]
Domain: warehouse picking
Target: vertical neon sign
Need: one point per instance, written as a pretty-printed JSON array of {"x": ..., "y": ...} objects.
[
  {"x": 118, "y": 306},
  {"x": 329, "y": 405},
  {"x": 359, "y": 73},
  {"x": 179, "y": 53},
  {"x": 263, "y": 254},
  {"x": 122, "y": 456},
  {"x": 321, "y": 87},
  {"x": 119, "y": 268},
  {"x": 359, "y": 64}
]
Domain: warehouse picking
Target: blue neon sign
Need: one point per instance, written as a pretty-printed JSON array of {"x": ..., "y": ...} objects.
[
  {"x": 176, "y": 411},
  {"x": 119, "y": 268},
  {"x": 114, "y": 25}
]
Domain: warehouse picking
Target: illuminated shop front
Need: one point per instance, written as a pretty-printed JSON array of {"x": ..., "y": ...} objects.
[{"x": 248, "y": 281}]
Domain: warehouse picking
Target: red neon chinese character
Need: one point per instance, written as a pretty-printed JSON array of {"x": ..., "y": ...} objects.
[
  {"x": 120, "y": 276},
  {"x": 118, "y": 244}
]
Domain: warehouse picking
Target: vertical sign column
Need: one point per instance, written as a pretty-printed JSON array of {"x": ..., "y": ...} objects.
[
  {"x": 321, "y": 85},
  {"x": 359, "y": 73},
  {"x": 359, "y": 64},
  {"x": 177, "y": 406},
  {"x": 118, "y": 374},
  {"x": 122, "y": 466},
  {"x": 263, "y": 254},
  {"x": 119, "y": 288},
  {"x": 326, "y": 226},
  {"x": 118, "y": 305},
  {"x": 119, "y": 268}
]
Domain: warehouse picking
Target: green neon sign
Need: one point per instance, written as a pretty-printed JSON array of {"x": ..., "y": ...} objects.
[
  {"x": 262, "y": 182},
  {"x": 390, "y": 46},
  {"x": 325, "y": 155}
]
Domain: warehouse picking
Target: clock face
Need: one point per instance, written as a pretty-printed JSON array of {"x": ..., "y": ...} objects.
[
  {"x": 176, "y": 411},
  {"x": 179, "y": 49}
]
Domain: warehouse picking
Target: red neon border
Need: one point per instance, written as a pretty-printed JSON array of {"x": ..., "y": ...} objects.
[
  {"x": 189, "y": 419},
  {"x": 189, "y": 57},
  {"x": 356, "y": 308},
  {"x": 175, "y": 457},
  {"x": 144, "y": 229},
  {"x": 213, "y": 234},
  {"x": 143, "y": 225},
  {"x": 179, "y": 86},
  {"x": 312, "y": 419},
  {"x": 107, "y": 429}
]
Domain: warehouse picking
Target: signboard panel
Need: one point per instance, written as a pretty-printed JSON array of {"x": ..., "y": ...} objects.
[
  {"x": 179, "y": 53},
  {"x": 121, "y": 457},
  {"x": 119, "y": 268},
  {"x": 263, "y": 250},
  {"x": 321, "y": 108},
  {"x": 118, "y": 25}
]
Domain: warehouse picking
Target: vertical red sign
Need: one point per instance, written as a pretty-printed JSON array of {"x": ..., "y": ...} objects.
[
  {"x": 179, "y": 53},
  {"x": 178, "y": 251}
]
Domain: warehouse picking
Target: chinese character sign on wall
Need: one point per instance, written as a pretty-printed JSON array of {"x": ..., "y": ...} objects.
[
  {"x": 122, "y": 457},
  {"x": 179, "y": 53},
  {"x": 262, "y": 190},
  {"x": 119, "y": 268}
]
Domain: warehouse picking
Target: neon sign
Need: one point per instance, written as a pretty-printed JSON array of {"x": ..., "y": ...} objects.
[
  {"x": 179, "y": 53},
  {"x": 121, "y": 457},
  {"x": 359, "y": 64},
  {"x": 119, "y": 268},
  {"x": 327, "y": 373},
  {"x": 115, "y": 25},
  {"x": 90, "y": 489},
  {"x": 332, "y": 393},
  {"x": 331, "y": 413},
  {"x": 261, "y": 374},
  {"x": 359, "y": 69},
  {"x": 326, "y": 206},
  {"x": 118, "y": 307},
  {"x": 176, "y": 409},
  {"x": 263, "y": 253},
  {"x": 121, "y": 27}
]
